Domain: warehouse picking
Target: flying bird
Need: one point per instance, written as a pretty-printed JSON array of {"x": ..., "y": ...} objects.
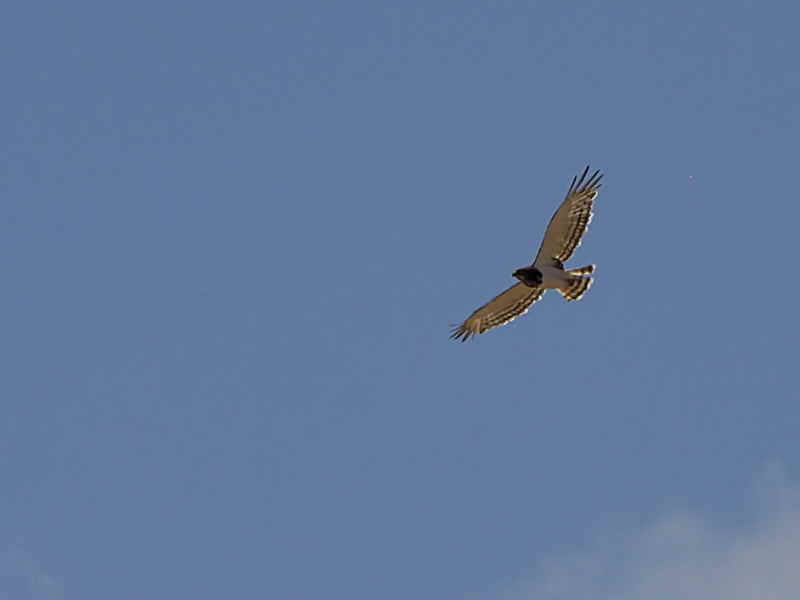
[{"x": 547, "y": 271}]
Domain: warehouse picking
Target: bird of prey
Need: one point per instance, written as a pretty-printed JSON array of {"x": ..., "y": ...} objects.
[{"x": 547, "y": 271}]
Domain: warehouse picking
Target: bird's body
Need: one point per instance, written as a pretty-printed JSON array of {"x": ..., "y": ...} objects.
[
  {"x": 549, "y": 277},
  {"x": 547, "y": 271}
]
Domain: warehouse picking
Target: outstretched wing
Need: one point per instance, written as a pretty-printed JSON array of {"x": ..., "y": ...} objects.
[
  {"x": 570, "y": 221},
  {"x": 515, "y": 301}
]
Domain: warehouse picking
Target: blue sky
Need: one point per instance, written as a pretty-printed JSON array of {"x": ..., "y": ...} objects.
[{"x": 233, "y": 240}]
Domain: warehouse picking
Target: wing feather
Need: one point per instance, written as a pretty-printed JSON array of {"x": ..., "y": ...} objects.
[
  {"x": 571, "y": 220},
  {"x": 507, "y": 306}
]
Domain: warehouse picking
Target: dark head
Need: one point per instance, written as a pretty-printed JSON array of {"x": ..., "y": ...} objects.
[{"x": 530, "y": 276}]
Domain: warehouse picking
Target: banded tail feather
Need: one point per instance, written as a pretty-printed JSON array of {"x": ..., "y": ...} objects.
[
  {"x": 587, "y": 270},
  {"x": 576, "y": 287}
]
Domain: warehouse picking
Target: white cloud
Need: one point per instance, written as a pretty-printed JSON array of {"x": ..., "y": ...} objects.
[{"x": 684, "y": 556}]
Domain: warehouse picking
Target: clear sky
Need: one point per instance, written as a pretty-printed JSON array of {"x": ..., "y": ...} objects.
[{"x": 233, "y": 239}]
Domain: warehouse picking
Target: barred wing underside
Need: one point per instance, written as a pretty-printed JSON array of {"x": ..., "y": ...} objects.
[
  {"x": 571, "y": 220},
  {"x": 513, "y": 302}
]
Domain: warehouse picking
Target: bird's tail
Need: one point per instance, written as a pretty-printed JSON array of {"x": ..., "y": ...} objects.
[
  {"x": 587, "y": 270},
  {"x": 576, "y": 287}
]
